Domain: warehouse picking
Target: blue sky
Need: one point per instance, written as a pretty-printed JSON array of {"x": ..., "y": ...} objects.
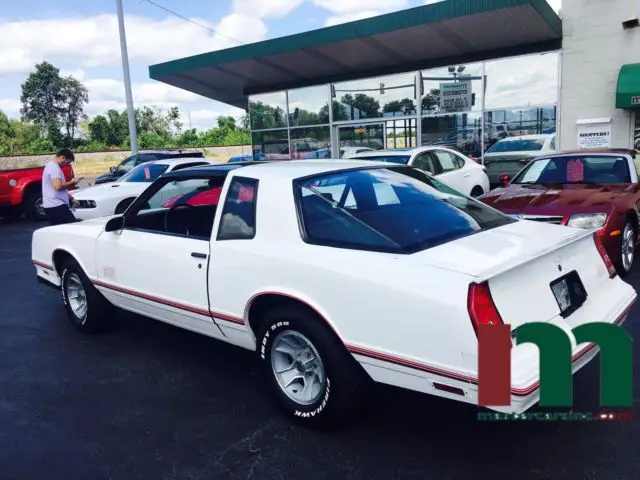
[{"x": 80, "y": 38}]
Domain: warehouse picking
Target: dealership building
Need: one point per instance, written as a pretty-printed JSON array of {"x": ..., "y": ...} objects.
[{"x": 464, "y": 73}]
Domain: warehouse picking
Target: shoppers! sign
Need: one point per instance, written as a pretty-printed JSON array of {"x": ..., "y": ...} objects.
[
  {"x": 456, "y": 96},
  {"x": 594, "y": 134}
]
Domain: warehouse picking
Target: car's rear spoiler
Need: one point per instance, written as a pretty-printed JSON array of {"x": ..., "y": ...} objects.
[{"x": 518, "y": 262}]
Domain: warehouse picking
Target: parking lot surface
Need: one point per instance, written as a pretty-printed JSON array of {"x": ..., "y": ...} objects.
[{"x": 151, "y": 401}]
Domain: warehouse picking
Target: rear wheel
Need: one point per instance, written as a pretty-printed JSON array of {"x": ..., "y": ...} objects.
[
  {"x": 477, "y": 191},
  {"x": 32, "y": 205},
  {"x": 87, "y": 309},
  {"x": 627, "y": 249},
  {"x": 310, "y": 373}
]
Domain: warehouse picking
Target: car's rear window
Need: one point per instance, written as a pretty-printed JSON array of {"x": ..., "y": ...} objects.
[
  {"x": 401, "y": 159},
  {"x": 517, "y": 146},
  {"x": 394, "y": 209},
  {"x": 147, "y": 172},
  {"x": 579, "y": 169}
]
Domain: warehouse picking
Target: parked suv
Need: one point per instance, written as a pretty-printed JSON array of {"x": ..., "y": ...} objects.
[{"x": 134, "y": 160}]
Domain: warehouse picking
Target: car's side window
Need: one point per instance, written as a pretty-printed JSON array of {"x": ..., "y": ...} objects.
[
  {"x": 425, "y": 161},
  {"x": 181, "y": 206},
  {"x": 128, "y": 164},
  {"x": 446, "y": 160},
  {"x": 552, "y": 145},
  {"x": 238, "y": 221}
]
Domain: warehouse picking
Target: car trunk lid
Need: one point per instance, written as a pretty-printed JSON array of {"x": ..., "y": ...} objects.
[{"x": 520, "y": 262}]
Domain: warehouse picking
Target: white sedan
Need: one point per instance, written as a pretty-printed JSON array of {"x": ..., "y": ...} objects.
[
  {"x": 114, "y": 198},
  {"x": 391, "y": 288},
  {"x": 452, "y": 167}
]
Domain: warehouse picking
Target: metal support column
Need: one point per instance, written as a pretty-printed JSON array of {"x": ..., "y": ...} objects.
[{"x": 127, "y": 80}]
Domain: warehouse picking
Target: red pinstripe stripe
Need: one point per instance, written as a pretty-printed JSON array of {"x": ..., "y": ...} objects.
[
  {"x": 163, "y": 301},
  {"x": 43, "y": 265},
  {"x": 518, "y": 392}
]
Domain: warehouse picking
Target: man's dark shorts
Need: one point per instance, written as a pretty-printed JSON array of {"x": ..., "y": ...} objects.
[{"x": 59, "y": 215}]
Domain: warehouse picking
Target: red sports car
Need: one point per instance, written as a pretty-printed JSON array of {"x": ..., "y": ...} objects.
[{"x": 595, "y": 189}]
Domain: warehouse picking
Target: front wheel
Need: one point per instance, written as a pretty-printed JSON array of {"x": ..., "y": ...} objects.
[
  {"x": 309, "y": 371},
  {"x": 627, "y": 249},
  {"x": 87, "y": 309}
]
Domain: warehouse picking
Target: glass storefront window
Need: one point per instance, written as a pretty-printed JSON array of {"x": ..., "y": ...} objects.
[
  {"x": 270, "y": 145},
  {"x": 462, "y": 132},
  {"x": 636, "y": 133},
  {"x": 308, "y": 106},
  {"x": 456, "y": 91},
  {"x": 310, "y": 142},
  {"x": 268, "y": 111},
  {"x": 378, "y": 97}
]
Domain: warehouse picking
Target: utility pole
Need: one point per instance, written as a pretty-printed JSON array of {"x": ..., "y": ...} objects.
[{"x": 127, "y": 81}]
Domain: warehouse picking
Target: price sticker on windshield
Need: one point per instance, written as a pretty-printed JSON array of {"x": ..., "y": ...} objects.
[
  {"x": 147, "y": 173},
  {"x": 575, "y": 171}
]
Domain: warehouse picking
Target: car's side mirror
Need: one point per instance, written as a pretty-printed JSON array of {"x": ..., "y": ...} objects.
[
  {"x": 115, "y": 224},
  {"x": 113, "y": 169},
  {"x": 505, "y": 179}
]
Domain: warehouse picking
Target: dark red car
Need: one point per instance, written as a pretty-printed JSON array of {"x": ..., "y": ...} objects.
[{"x": 586, "y": 189}]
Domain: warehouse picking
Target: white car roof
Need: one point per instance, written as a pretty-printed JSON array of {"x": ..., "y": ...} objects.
[
  {"x": 398, "y": 152},
  {"x": 173, "y": 162},
  {"x": 543, "y": 136},
  {"x": 292, "y": 169}
]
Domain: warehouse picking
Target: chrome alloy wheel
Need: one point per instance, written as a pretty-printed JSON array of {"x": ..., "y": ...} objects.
[
  {"x": 39, "y": 207},
  {"x": 628, "y": 247},
  {"x": 297, "y": 367},
  {"x": 77, "y": 296}
]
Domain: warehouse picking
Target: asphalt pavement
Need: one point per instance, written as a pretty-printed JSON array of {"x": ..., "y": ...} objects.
[{"x": 151, "y": 401}]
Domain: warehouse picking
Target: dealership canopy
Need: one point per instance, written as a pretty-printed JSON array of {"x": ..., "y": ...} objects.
[
  {"x": 450, "y": 32},
  {"x": 628, "y": 92}
]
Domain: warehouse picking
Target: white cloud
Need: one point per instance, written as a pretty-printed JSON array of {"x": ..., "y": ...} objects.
[
  {"x": 350, "y": 10},
  {"x": 265, "y": 8},
  {"x": 78, "y": 73},
  {"x": 11, "y": 107},
  {"x": 94, "y": 40}
]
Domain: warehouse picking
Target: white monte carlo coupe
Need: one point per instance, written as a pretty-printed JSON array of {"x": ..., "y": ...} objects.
[
  {"x": 114, "y": 198},
  {"x": 336, "y": 273},
  {"x": 453, "y": 168}
]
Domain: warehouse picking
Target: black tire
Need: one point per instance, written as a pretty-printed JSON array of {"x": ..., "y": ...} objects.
[
  {"x": 123, "y": 205},
  {"x": 98, "y": 310},
  {"x": 477, "y": 191},
  {"x": 345, "y": 381},
  {"x": 32, "y": 205},
  {"x": 623, "y": 270}
]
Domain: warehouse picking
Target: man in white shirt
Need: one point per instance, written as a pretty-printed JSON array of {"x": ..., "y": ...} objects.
[{"x": 55, "y": 197}]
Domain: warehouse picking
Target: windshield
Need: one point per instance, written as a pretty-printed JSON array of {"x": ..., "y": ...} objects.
[
  {"x": 589, "y": 169},
  {"x": 517, "y": 146},
  {"x": 147, "y": 172},
  {"x": 394, "y": 209},
  {"x": 401, "y": 159}
]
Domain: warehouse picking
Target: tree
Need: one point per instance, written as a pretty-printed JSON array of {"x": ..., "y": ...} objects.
[
  {"x": 431, "y": 101},
  {"x": 99, "y": 129},
  {"x": 75, "y": 96},
  {"x": 173, "y": 121},
  {"x": 42, "y": 96},
  {"x": 368, "y": 107},
  {"x": 118, "y": 127},
  {"x": 53, "y": 103}
]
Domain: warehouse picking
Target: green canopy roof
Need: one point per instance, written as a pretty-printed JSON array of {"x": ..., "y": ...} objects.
[
  {"x": 628, "y": 93},
  {"x": 446, "y": 33}
]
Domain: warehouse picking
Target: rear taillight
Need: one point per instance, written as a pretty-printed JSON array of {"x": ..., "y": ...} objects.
[
  {"x": 605, "y": 257},
  {"x": 481, "y": 308}
]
